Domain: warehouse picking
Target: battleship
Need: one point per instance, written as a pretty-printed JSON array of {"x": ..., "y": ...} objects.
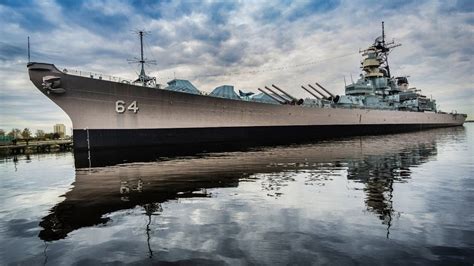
[{"x": 108, "y": 112}]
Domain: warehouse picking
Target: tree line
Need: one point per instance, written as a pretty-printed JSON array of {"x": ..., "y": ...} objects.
[{"x": 27, "y": 135}]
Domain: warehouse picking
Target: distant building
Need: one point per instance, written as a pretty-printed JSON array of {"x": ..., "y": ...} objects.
[{"x": 60, "y": 129}]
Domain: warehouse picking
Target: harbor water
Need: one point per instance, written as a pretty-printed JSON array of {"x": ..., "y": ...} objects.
[{"x": 394, "y": 199}]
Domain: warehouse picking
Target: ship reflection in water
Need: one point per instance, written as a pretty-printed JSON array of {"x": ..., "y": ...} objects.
[{"x": 275, "y": 202}]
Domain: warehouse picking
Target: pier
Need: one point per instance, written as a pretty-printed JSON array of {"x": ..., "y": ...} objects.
[{"x": 37, "y": 147}]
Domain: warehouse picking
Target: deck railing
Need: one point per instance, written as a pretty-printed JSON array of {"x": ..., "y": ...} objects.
[{"x": 94, "y": 75}]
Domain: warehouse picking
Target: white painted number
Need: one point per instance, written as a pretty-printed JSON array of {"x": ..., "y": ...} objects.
[
  {"x": 133, "y": 107},
  {"x": 120, "y": 107}
]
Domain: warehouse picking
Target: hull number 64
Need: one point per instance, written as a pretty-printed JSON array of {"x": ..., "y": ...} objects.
[{"x": 120, "y": 107}]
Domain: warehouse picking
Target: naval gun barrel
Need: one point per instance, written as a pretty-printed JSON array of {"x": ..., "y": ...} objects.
[
  {"x": 332, "y": 95},
  {"x": 279, "y": 96},
  {"x": 291, "y": 97},
  {"x": 271, "y": 96},
  {"x": 294, "y": 100},
  {"x": 314, "y": 95},
  {"x": 324, "y": 96}
]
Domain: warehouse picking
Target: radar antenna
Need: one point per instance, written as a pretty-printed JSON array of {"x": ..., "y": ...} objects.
[
  {"x": 142, "y": 77},
  {"x": 384, "y": 48}
]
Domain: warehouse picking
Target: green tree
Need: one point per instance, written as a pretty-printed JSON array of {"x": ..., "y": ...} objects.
[
  {"x": 48, "y": 135},
  {"x": 2, "y": 132},
  {"x": 40, "y": 134},
  {"x": 26, "y": 134},
  {"x": 56, "y": 136},
  {"x": 15, "y": 133}
]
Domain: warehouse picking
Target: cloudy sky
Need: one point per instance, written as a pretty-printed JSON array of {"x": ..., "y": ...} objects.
[{"x": 247, "y": 44}]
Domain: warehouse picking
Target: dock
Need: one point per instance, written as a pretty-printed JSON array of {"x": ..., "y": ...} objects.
[{"x": 36, "y": 147}]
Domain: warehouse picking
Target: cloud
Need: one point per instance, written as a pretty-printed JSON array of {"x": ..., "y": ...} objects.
[
  {"x": 10, "y": 52},
  {"x": 247, "y": 44}
]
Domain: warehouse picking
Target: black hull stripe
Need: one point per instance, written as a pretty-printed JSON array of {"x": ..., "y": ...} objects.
[{"x": 121, "y": 138}]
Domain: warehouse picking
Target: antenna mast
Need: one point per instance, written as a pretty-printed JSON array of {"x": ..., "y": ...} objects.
[
  {"x": 383, "y": 33},
  {"x": 142, "y": 77},
  {"x": 142, "y": 61},
  {"x": 385, "y": 49}
]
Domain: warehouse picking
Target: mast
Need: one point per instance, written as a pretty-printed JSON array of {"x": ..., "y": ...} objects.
[
  {"x": 142, "y": 61},
  {"x": 385, "y": 49},
  {"x": 142, "y": 77}
]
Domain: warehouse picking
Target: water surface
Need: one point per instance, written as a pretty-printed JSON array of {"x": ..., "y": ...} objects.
[{"x": 394, "y": 199}]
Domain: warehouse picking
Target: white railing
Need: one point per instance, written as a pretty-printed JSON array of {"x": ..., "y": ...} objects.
[{"x": 93, "y": 75}]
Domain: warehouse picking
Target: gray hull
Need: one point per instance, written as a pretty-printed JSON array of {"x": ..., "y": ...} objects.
[{"x": 168, "y": 117}]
